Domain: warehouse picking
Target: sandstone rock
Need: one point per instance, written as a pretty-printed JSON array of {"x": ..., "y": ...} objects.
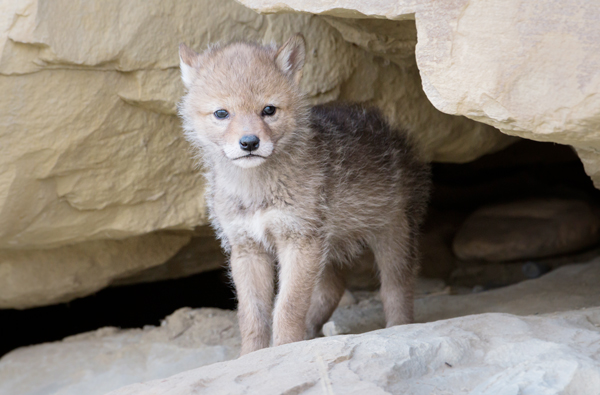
[
  {"x": 483, "y": 354},
  {"x": 530, "y": 71},
  {"x": 396, "y": 10},
  {"x": 41, "y": 277},
  {"x": 527, "y": 229},
  {"x": 491, "y": 275},
  {"x": 201, "y": 254},
  {"x": 96, "y": 362}
]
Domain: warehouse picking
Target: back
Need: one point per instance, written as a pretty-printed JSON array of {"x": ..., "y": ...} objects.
[{"x": 373, "y": 173}]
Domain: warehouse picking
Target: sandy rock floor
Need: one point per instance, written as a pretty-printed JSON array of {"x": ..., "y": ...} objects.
[
  {"x": 551, "y": 351},
  {"x": 482, "y": 354}
]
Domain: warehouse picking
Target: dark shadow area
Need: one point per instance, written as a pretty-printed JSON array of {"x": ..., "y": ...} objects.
[
  {"x": 131, "y": 306},
  {"x": 526, "y": 169}
]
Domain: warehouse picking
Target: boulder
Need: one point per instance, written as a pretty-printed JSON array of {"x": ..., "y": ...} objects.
[
  {"x": 534, "y": 228},
  {"x": 530, "y": 71},
  {"x": 202, "y": 253},
  {"x": 481, "y": 354}
]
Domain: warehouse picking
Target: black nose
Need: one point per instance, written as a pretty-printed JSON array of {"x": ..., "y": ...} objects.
[{"x": 249, "y": 142}]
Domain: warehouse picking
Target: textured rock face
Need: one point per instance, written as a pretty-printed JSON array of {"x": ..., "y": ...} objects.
[
  {"x": 484, "y": 354},
  {"x": 90, "y": 144},
  {"x": 38, "y": 277},
  {"x": 528, "y": 70}
]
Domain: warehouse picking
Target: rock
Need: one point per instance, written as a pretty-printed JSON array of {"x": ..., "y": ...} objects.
[
  {"x": 567, "y": 288},
  {"x": 483, "y": 354},
  {"x": 365, "y": 313},
  {"x": 396, "y": 10},
  {"x": 527, "y": 229},
  {"x": 471, "y": 57},
  {"x": 96, "y": 362},
  {"x": 500, "y": 274},
  {"x": 201, "y": 254},
  {"x": 435, "y": 244},
  {"x": 42, "y": 277}
]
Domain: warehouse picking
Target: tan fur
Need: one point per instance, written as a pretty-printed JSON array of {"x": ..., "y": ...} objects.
[{"x": 325, "y": 183}]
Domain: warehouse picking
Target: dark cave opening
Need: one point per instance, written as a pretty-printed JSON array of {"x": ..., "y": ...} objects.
[{"x": 130, "y": 306}]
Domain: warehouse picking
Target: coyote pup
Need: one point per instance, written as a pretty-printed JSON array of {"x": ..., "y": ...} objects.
[{"x": 298, "y": 188}]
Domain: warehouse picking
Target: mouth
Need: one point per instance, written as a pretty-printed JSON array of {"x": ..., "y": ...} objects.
[
  {"x": 250, "y": 156},
  {"x": 250, "y": 160}
]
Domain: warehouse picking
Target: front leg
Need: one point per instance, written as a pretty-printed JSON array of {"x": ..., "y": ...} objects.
[
  {"x": 252, "y": 269},
  {"x": 299, "y": 266}
]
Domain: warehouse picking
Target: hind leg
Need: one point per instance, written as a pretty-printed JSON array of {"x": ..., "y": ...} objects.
[
  {"x": 325, "y": 298},
  {"x": 395, "y": 255}
]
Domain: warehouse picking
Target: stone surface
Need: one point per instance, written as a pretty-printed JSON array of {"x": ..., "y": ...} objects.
[
  {"x": 566, "y": 288},
  {"x": 41, "y": 277},
  {"x": 527, "y": 229},
  {"x": 530, "y": 71},
  {"x": 396, "y": 10},
  {"x": 483, "y": 354},
  {"x": 96, "y": 362},
  {"x": 201, "y": 254},
  {"x": 491, "y": 275},
  {"x": 99, "y": 361}
]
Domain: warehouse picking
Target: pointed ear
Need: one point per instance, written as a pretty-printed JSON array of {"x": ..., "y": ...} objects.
[
  {"x": 290, "y": 57},
  {"x": 188, "y": 62}
]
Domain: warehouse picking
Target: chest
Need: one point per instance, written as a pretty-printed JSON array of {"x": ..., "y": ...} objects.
[
  {"x": 263, "y": 211},
  {"x": 264, "y": 226}
]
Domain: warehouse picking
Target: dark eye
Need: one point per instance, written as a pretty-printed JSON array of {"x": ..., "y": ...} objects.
[
  {"x": 221, "y": 114},
  {"x": 269, "y": 110}
]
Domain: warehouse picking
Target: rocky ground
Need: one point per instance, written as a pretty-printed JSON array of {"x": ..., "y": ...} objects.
[{"x": 481, "y": 352}]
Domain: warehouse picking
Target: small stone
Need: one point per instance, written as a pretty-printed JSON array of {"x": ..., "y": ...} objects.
[
  {"x": 535, "y": 269},
  {"x": 527, "y": 229},
  {"x": 347, "y": 299},
  {"x": 331, "y": 329}
]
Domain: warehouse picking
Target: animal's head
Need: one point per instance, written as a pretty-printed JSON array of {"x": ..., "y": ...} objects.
[{"x": 243, "y": 100}]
